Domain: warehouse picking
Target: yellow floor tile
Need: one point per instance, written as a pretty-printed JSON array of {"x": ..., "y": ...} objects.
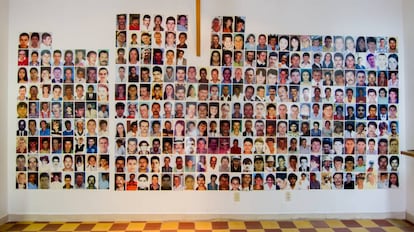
[
  {"x": 335, "y": 224},
  {"x": 136, "y": 226},
  {"x": 68, "y": 227},
  {"x": 324, "y": 230},
  {"x": 303, "y": 224},
  {"x": 169, "y": 226},
  {"x": 102, "y": 226},
  {"x": 358, "y": 230},
  {"x": 392, "y": 229},
  {"x": 202, "y": 225},
  {"x": 366, "y": 223},
  {"x": 400, "y": 223},
  {"x": 269, "y": 224},
  {"x": 35, "y": 227},
  {"x": 236, "y": 225},
  {"x": 289, "y": 230},
  {"x": 255, "y": 230}
]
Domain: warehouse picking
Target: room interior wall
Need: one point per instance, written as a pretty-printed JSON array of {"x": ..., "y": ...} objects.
[
  {"x": 90, "y": 24},
  {"x": 408, "y": 6},
  {"x": 4, "y": 27}
]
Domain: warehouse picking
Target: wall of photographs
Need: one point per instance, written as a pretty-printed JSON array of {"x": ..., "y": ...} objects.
[
  {"x": 62, "y": 116},
  {"x": 270, "y": 111}
]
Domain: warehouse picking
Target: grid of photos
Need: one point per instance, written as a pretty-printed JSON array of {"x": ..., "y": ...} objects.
[
  {"x": 271, "y": 112},
  {"x": 329, "y": 103},
  {"x": 151, "y": 53},
  {"x": 62, "y": 116},
  {"x": 285, "y": 112}
]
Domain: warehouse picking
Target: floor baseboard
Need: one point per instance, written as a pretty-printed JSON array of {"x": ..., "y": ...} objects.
[
  {"x": 201, "y": 217},
  {"x": 4, "y": 219},
  {"x": 409, "y": 217}
]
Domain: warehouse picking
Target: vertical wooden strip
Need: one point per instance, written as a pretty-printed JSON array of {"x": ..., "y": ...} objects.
[{"x": 198, "y": 24}]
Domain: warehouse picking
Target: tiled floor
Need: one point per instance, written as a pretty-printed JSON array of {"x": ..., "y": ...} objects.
[{"x": 390, "y": 225}]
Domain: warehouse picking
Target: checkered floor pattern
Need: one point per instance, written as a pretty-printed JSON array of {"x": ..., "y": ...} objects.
[{"x": 389, "y": 225}]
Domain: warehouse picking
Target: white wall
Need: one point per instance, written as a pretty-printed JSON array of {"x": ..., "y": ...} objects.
[
  {"x": 4, "y": 27},
  {"x": 90, "y": 24},
  {"x": 408, "y": 7}
]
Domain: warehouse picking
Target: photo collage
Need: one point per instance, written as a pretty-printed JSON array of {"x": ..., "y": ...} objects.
[{"x": 268, "y": 112}]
